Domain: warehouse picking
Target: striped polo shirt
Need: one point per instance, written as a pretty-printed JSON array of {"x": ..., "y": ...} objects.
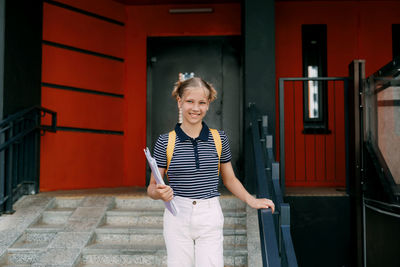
[{"x": 193, "y": 171}]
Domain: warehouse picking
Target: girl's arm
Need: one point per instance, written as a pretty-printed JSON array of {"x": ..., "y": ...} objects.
[
  {"x": 236, "y": 187},
  {"x": 157, "y": 191}
]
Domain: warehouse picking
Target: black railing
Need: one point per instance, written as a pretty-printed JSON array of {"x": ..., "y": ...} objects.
[
  {"x": 333, "y": 84},
  {"x": 19, "y": 154},
  {"x": 276, "y": 241},
  {"x": 381, "y": 129},
  {"x": 380, "y": 166}
]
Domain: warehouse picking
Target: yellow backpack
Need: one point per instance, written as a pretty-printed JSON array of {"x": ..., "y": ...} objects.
[{"x": 171, "y": 146}]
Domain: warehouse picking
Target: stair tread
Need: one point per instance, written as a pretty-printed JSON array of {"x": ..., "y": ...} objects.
[
  {"x": 108, "y": 265},
  {"x": 41, "y": 227},
  {"x": 112, "y": 229},
  {"x": 29, "y": 245},
  {"x": 114, "y": 249},
  {"x": 25, "y": 250},
  {"x": 160, "y": 212}
]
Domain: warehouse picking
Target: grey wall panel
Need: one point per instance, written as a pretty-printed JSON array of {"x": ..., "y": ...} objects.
[{"x": 259, "y": 69}]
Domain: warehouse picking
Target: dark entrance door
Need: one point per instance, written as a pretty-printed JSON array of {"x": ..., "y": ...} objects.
[{"x": 216, "y": 60}]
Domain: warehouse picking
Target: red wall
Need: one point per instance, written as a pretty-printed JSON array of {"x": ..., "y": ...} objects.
[
  {"x": 144, "y": 21},
  {"x": 74, "y": 159},
  {"x": 356, "y": 30}
]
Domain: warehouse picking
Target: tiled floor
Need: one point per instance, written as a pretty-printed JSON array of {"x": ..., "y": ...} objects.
[{"x": 315, "y": 191}]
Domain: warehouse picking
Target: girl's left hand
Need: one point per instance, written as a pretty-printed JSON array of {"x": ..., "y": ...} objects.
[{"x": 262, "y": 203}]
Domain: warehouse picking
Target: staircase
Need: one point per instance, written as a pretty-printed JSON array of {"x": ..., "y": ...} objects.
[{"x": 110, "y": 231}]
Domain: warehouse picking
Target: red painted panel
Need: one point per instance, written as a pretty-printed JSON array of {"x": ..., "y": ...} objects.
[
  {"x": 331, "y": 138},
  {"x": 375, "y": 32},
  {"x": 78, "y": 30},
  {"x": 73, "y": 160},
  {"x": 107, "y": 8},
  {"x": 82, "y": 110},
  {"x": 310, "y": 157},
  {"x": 340, "y": 134},
  {"x": 290, "y": 171},
  {"x": 300, "y": 154},
  {"x": 143, "y": 21},
  {"x": 70, "y": 68},
  {"x": 320, "y": 158}
]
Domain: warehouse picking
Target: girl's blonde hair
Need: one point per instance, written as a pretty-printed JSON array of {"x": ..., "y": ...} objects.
[{"x": 181, "y": 86}]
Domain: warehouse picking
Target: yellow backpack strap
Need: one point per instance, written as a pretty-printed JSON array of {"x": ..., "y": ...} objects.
[
  {"x": 218, "y": 145},
  {"x": 170, "y": 147}
]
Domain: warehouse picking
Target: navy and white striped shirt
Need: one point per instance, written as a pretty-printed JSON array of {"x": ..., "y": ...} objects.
[{"x": 193, "y": 171}]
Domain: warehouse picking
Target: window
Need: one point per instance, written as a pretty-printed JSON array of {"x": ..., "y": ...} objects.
[
  {"x": 396, "y": 40},
  {"x": 314, "y": 43}
]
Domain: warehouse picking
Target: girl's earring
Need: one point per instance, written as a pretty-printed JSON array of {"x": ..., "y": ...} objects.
[{"x": 180, "y": 119}]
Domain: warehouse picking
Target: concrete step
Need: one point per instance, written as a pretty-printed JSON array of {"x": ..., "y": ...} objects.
[
  {"x": 51, "y": 220},
  {"x": 33, "y": 240},
  {"x": 55, "y": 217},
  {"x": 148, "y": 204},
  {"x": 131, "y": 235},
  {"x": 122, "y": 231},
  {"x": 135, "y": 257},
  {"x": 154, "y": 237},
  {"x": 65, "y": 204},
  {"x": 22, "y": 257},
  {"x": 125, "y": 218}
]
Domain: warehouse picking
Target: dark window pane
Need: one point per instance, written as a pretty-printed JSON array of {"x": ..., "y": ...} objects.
[
  {"x": 396, "y": 40},
  {"x": 314, "y": 41}
]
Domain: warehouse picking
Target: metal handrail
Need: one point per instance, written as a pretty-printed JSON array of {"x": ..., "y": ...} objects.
[
  {"x": 392, "y": 214},
  {"x": 276, "y": 242},
  {"x": 23, "y": 112},
  {"x": 7, "y": 124},
  {"x": 19, "y": 152},
  {"x": 389, "y": 209},
  {"x": 389, "y": 205}
]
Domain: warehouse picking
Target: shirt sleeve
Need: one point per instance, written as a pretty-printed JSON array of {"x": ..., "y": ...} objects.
[
  {"x": 160, "y": 151},
  {"x": 226, "y": 155}
]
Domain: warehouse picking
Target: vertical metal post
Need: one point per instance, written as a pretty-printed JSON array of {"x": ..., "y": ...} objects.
[
  {"x": 9, "y": 174},
  {"x": 2, "y": 175},
  {"x": 355, "y": 155},
  {"x": 347, "y": 135},
  {"x": 362, "y": 131},
  {"x": 28, "y": 157},
  {"x": 364, "y": 234},
  {"x": 282, "y": 134},
  {"x": 36, "y": 151},
  {"x": 285, "y": 221}
]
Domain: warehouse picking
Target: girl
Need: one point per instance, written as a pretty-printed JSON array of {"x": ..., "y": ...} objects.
[{"x": 195, "y": 236}]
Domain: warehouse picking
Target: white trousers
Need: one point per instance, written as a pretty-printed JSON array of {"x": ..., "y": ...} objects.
[{"x": 195, "y": 236}]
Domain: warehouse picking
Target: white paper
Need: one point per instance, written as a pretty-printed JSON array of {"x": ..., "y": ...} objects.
[{"x": 170, "y": 205}]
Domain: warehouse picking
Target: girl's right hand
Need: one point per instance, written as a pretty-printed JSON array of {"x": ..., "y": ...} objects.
[{"x": 164, "y": 192}]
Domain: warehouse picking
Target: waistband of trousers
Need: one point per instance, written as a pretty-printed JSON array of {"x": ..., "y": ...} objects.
[{"x": 197, "y": 202}]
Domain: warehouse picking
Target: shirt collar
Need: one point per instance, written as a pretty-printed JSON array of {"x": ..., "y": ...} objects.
[{"x": 183, "y": 136}]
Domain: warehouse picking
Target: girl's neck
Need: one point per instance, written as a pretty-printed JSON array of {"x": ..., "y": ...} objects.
[{"x": 192, "y": 130}]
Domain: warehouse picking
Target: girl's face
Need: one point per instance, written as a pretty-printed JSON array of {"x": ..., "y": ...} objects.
[{"x": 194, "y": 104}]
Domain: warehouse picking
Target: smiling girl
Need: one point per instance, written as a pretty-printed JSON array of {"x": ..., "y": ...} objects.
[{"x": 194, "y": 237}]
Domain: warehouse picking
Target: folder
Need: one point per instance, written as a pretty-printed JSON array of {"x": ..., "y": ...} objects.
[{"x": 170, "y": 205}]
